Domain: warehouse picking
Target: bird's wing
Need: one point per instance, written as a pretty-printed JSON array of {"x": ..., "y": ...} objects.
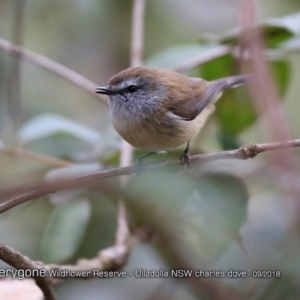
[
  {"x": 203, "y": 93},
  {"x": 200, "y": 94}
]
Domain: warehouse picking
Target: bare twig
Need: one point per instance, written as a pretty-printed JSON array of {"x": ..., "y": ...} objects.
[
  {"x": 267, "y": 101},
  {"x": 264, "y": 92},
  {"x": 20, "y": 261},
  {"x": 88, "y": 85},
  {"x": 137, "y": 32},
  {"x": 136, "y": 54},
  {"x": 50, "y": 65},
  {"x": 29, "y": 192},
  {"x": 115, "y": 257}
]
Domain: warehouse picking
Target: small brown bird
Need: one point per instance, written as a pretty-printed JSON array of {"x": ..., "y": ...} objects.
[{"x": 155, "y": 109}]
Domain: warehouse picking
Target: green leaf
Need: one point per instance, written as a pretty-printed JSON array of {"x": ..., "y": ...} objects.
[
  {"x": 290, "y": 22},
  {"x": 275, "y": 30},
  {"x": 199, "y": 215},
  {"x": 65, "y": 230},
  {"x": 46, "y": 125},
  {"x": 281, "y": 71},
  {"x": 274, "y": 35},
  {"x": 220, "y": 67},
  {"x": 171, "y": 57},
  {"x": 227, "y": 141},
  {"x": 235, "y": 110}
]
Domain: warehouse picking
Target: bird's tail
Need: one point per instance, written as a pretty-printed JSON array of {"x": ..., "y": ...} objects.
[{"x": 234, "y": 81}]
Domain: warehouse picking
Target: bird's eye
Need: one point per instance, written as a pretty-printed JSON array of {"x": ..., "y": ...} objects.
[{"x": 132, "y": 88}]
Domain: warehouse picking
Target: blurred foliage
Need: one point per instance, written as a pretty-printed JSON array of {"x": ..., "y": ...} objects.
[
  {"x": 65, "y": 230},
  {"x": 204, "y": 212},
  {"x": 196, "y": 216},
  {"x": 274, "y": 30}
]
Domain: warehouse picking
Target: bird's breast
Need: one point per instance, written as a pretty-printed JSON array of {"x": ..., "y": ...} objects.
[{"x": 158, "y": 132}]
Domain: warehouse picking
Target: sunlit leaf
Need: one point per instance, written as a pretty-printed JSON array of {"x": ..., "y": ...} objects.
[
  {"x": 290, "y": 22},
  {"x": 273, "y": 35},
  {"x": 171, "y": 57},
  {"x": 65, "y": 230},
  {"x": 291, "y": 45},
  {"x": 46, "y": 125}
]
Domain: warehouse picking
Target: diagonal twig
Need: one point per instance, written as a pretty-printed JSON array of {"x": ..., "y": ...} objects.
[
  {"x": 51, "y": 66},
  {"x": 20, "y": 261}
]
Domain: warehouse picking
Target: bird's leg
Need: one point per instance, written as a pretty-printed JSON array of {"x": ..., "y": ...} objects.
[
  {"x": 140, "y": 163},
  {"x": 185, "y": 158}
]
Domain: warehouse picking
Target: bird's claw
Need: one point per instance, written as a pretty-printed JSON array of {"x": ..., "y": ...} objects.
[
  {"x": 185, "y": 159},
  {"x": 140, "y": 166}
]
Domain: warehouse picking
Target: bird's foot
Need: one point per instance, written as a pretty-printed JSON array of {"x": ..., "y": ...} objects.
[
  {"x": 140, "y": 165},
  {"x": 185, "y": 159}
]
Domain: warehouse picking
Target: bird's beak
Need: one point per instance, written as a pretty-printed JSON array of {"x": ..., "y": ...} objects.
[{"x": 103, "y": 90}]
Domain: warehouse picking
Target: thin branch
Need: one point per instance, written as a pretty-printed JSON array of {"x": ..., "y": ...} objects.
[
  {"x": 137, "y": 32},
  {"x": 267, "y": 101},
  {"x": 122, "y": 232},
  {"x": 264, "y": 91},
  {"x": 29, "y": 192},
  {"x": 20, "y": 261},
  {"x": 126, "y": 154},
  {"x": 51, "y": 66},
  {"x": 116, "y": 256},
  {"x": 136, "y": 54}
]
